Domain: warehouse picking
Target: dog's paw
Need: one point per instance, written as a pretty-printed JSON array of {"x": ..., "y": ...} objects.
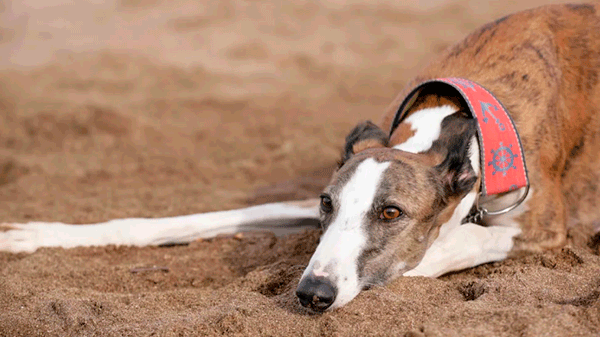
[{"x": 17, "y": 238}]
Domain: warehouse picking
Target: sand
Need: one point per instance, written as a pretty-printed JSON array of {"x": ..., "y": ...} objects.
[{"x": 153, "y": 108}]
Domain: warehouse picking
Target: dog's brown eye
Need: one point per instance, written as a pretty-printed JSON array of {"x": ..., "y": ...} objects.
[
  {"x": 326, "y": 203},
  {"x": 390, "y": 213}
]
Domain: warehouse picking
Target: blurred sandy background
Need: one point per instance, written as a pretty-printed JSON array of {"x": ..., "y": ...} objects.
[{"x": 153, "y": 108}]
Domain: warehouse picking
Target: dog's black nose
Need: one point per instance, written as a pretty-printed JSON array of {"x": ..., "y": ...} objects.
[{"x": 316, "y": 293}]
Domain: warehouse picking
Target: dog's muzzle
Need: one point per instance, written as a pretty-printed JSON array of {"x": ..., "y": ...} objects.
[{"x": 316, "y": 293}]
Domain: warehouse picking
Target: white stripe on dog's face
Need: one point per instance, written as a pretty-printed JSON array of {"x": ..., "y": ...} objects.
[{"x": 337, "y": 255}]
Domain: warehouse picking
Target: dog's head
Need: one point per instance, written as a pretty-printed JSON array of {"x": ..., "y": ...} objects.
[{"x": 384, "y": 207}]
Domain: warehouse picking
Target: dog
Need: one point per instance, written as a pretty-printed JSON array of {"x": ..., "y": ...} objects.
[{"x": 407, "y": 198}]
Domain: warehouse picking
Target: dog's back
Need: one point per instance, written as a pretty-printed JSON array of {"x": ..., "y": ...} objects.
[{"x": 543, "y": 65}]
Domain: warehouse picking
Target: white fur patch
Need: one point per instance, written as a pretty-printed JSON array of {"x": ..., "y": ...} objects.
[
  {"x": 474, "y": 155},
  {"x": 427, "y": 125},
  {"x": 464, "y": 247},
  {"x": 342, "y": 242}
]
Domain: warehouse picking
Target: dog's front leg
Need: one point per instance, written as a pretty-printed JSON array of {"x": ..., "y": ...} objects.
[
  {"x": 464, "y": 247},
  {"x": 281, "y": 218}
]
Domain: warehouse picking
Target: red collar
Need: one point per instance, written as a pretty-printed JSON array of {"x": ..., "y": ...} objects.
[{"x": 501, "y": 153}]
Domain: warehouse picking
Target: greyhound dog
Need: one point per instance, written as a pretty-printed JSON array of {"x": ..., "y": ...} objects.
[{"x": 417, "y": 194}]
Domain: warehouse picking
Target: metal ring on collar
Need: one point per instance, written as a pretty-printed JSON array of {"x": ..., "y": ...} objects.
[{"x": 485, "y": 212}]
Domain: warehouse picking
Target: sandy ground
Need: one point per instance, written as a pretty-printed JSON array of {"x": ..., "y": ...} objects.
[{"x": 152, "y": 108}]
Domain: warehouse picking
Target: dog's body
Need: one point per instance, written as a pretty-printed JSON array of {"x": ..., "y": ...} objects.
[
  {"x": 396, "y": 205},
  {"x": 544, "y": 66}
]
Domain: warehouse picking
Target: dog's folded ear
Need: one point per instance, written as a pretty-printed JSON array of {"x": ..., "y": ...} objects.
[
  {"x": 364, "y": 136},
  {"x": 457, "y": 174}
]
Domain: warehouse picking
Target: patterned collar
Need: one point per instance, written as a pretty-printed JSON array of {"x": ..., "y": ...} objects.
[{"x": 503, "y": 166}]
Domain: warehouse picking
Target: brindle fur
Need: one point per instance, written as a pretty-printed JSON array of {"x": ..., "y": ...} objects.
[{"x": 543, "y": 65}]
